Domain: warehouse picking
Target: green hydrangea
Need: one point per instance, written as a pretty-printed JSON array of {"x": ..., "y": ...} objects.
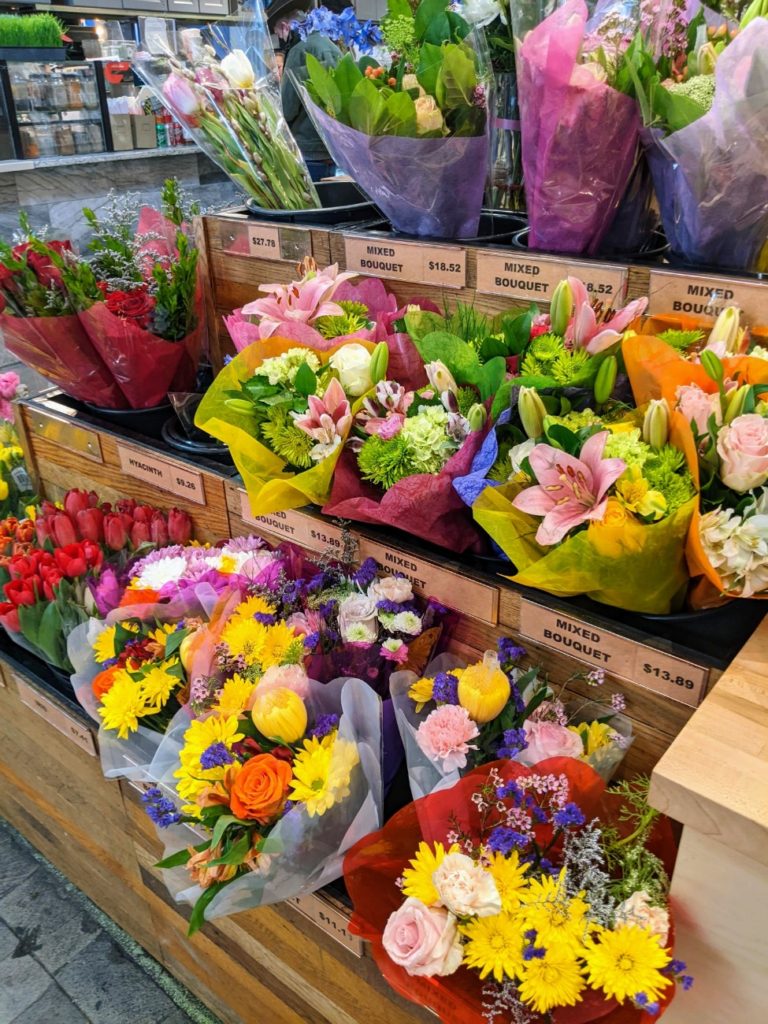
[
  {"x": 700, "y": 89},
  {"x": 283, "y": 369},
  {"x": 571, "y": 368},
  {"x": 355, "y": 317},
  {"x": 629, "y": 446},
  {"x": 286, "y": 440},
  {"x": 425, "y": 436},
  {"x": 575, "y": 420},
  {"x": 399, "y": 33}
]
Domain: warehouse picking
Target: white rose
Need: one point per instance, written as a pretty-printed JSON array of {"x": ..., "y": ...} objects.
[
  {"x": 391, "y": 588},
  {"x": 238, "y": 70},
  {"x": 638, "y": 910},
  {"x": 465, "y": 888},
  {"x": 358, "y": 610},
  {"x": 519, "y": 453},
  {"x": 353, "y": 364}
]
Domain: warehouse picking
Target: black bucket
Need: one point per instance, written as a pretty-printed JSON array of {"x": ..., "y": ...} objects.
[
  {"x": 654, "y": 251},
  {"x": 341, "y": 201},
  {"x": 146, "y": 422},
  {"x": 199, "y": 444}
]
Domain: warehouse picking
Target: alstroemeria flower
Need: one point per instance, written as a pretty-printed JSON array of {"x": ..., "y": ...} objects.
[
  {"x": 584, "y": 330},
  {"x": 327, "y": 421},
  {"x": 570, "y": 491},
  {"x": 299, "y": 302}
]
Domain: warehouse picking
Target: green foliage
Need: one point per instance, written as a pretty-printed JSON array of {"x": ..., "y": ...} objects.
[
  {"x": 29, "y": 30},
  {"x": 632, "y": 865},
  {"x": 463, "y": 362}
]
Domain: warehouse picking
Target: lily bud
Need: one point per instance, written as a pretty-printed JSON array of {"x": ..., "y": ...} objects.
[
  {"x": 560, "y": 307},
  {"x": 706, "y": 59},
  {"x": 735, "y": 402},
  {"x": 726, "y": 331},
  {"x": 379, "y": 362},
  {"x": 656, "y": 423},
  {"x": 238, "y": 405},
  {"x": 440, "y": 377},
  {"x": 532, "y": 412},
  {"x": 476, "y": 417},
  {"x": 605, "y": 380},
  {"x": 712, "y": 365}
]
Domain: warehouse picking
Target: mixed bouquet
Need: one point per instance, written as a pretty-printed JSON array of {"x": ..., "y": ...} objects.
[
  {"x": 457, "y": 717},
  {"x": 522, "y": 894},
  {"x": 344, "y": 29},
  {"x": 227, "y": 96},
  {"x": 413, "y": 133}
]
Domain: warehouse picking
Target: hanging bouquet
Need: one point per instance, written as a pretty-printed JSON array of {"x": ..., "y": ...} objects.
[
  {"x": 457, "y": 717},
  {"x": 599, "y": 509},
  {"x": 276, "y": 793},
  {"x": 702, "y": 105},
  {"x": 228, "y": 99},
  {"x": 524, "y": 894},
  {"x": 413, "y": 134}
]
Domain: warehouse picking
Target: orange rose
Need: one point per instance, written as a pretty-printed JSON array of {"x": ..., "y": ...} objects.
[
  {"x": 260, "y": 789},
  {"x": 102, "y": 683},
  {"x": 131, "y": 597}
]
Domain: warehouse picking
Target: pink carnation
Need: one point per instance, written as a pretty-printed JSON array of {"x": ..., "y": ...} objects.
[{"x": 444, "y": 736}]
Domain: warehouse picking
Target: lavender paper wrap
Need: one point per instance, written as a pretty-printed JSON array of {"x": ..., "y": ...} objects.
[
  {"x": 711, "y": 177},
  {"x": 423, "y": 186},
  {"x": 579, "y": 138}
]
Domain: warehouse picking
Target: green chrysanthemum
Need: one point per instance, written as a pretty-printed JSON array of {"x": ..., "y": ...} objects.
[
  {"x": 286, "y": 440},
  {"x": 682, "y": 340},
  {"x": 571, "y": 367},
  {"x": 467, "y": 397},
  {"x": 547, "y": 347},
  {"x": 665, "y": 471},
  {"x": 500, "y": 470},
  {"x": 354, "y": 319},
  {"x": 382, "y": 462},
  {"x": 533, "y": 367}
]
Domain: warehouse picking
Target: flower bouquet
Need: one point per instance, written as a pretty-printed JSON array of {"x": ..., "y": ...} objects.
[
  {"x": 596, "y": 509},
  {"x": 277, "y": 787},
  {"x": 413, "y": 134},
  {"x": 222, "y": 86},
  {"x": 457, "y": 717},
  {"x": 522, "y": 894},
  {"x": 580, "y": 129},
  {"x": 16, "y": 489}
]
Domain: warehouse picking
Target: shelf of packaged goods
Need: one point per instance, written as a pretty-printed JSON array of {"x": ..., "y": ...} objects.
[
  {"x": 244, "y": 253},
  {"x": 69, "y": 448}
]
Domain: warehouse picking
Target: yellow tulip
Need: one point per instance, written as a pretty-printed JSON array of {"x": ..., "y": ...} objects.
[
  {"x": 184, "y": 650},
  {"x": 484, "y": 689},
  {"x": 3, "y": 489},
  {"x": 280, "y": 715}
]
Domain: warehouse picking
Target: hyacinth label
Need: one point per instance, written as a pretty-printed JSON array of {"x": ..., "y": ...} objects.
[
  {"x": 441, "y": 265},
  {"x": 534, "y": 278},
  {"x": 654, "y": 670},
  {"x": 168, "y": 476},
  {"x": 68, "y": 435},
  {"x": 264, "y": 241},
  {"x": 706, "y": 296},
  {"x": 329, "y": 920},
  {"x": 55, "y": 716},
  {"x": 301, "y": 529}
]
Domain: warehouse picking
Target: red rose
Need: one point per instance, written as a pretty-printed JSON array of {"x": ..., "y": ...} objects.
[
  {"x": 71, "y": 560},
  {"x": 136, "y": 305},
  {"x": 41, "y": 263}
]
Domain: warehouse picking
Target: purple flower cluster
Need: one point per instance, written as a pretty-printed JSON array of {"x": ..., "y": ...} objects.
[
  {"x": 265, "y": 618},
  {"x": 324, "y": 725},
  {"x": 642, "y": 1001},
  {"x": 445, "y": 688},
  {"x": 513, "y": 741},
  {"x": 509, "y": 651},
  {"x": 505, "y": 840},
  {"x": 366, "y": 574},
  {"x": 675, "y": 968},
  {"x": 160, "y": 809},
  {"x": 215, "y": 756},
  {"x": 570, "y": 816},
  {"x": 311, "y": 640}
]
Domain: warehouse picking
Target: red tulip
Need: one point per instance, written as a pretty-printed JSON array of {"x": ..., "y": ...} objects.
[
  {"x": 42, "y": 530},
  {"x": 90, "y": 523},
  {"x": 77, "y": 501},
  {"x": 51, "y": 579},
  {"x": 63, "y": 530},
  {"x": 115, "y": 533},
  {"x": 140, "y": 534},
  {"x": 179, "y": 526},
  {"x": 125, "y": 505},
  {"x": 71, "y": 560},
  {"x": 143, "y": 513},
  {"x": 94, "y": 556},
  {"x": 9, "y": 617},
  {"x": 24, "y": 566},
  {"x": 158, "y": 530},
  {"x": 23, "y": 591}
]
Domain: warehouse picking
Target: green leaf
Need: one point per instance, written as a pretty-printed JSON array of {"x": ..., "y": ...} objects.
[
  {"x": 305, "y": 381},
  {"x": 421, "y": 322},
  {"x": 178, "y": 859},
  {"x": 197, "y": 919},
  {"x": 517, "y": 331},
  {"x": 220, "y": 827},
  {"x": 323, "y": 86},
  {"x": 491, "y": 376},
  {"x": 501, "y": 400},
  {"x": 399, "y": 116},
  {"x": 456, "y": 79},
  {"x": 563, "y": 438},
  {"x": 366, "y": 107},
  {"x": 492, "y": 347},
  {"x": 674, "y": 108},
  {"x": 236, "y": 854},
  {"x": 175, "y": 640},
  {"x": 346, "y": 75},
  {"x": 430, "y": 60}
]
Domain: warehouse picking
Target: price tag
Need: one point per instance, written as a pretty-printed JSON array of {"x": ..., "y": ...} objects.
[
  {"x": 168, "y": 476},
  {"x": 606, "y": 283},
  {"x": 478, "y": 600},
  {"x": 263, "y": 240},
  {"x": 706, "y": 296},
  {"x": 518, "y": 275},
  {"x": 330, "y": 920},
  {"x": 55, "y": 716},
  {"x": 442, "y": 265},
  {"x": 619, "y": 656},
  {"x": 297, "y": 527}
]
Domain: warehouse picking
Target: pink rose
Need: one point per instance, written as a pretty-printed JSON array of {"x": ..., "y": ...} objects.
[
  {"x": 743, "y": 450},
  {"x": 548, "y": 739},
  {"x": 289, "y": 677},
  {"x": 9, "y": 384},
  {"x": 444, "y": 736},
  {"x": 391, "y": 588},
  {"x": 423, "y": 940},
  {"x": 697, "y": 406},
  {"x": 358, "y": 610}
]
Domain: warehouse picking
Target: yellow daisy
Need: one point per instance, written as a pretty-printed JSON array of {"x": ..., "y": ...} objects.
[
  {"x": 281, "y": 646},
  {"x": 417, "y": 879},
  {"x": 158, "y": 684},
  {"x": 122, "y": 706},
  {"x": 104, "y": 646},
  {"x": 252, "y": 606},
  {"x": 201, "y": 734},
  {"x": 556, "y": 917},
  {"x": 161, "y": 633},
  {"x": 244, "y": 638},
  {"x": 627, "y": 961},
  {"x": 234, "y": 696},
  {"x": 421, "y": 692},
  {"x": 322, "y": 772},
  {"x": 553, "y": 980},
  {"x": 494, "y": 946},
  {"x": 509, "y": 876}
]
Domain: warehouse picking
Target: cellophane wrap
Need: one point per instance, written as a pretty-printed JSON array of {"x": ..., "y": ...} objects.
[
  {"x": 579, "y": 138},
  {"x": 307, "y": 853},
  {"x": 372, "y": 868},
  {"x": 711, "y": 177},
  {"x": 59, "y": 349},
  {"x": 431, "y": 187},
  {"x": 129, "y": 758}
]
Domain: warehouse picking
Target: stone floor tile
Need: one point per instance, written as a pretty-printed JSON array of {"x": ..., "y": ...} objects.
[
  {"x": 53, "y": 1007},
  {"x": 8, "y": 941},
  {"x": 22, "y": 982},
  {"x": 16, "y": 865}
]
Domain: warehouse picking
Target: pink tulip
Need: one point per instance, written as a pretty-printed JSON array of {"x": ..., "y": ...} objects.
[
  {"x": 181, "y": 97},
  {"x": 569, "y": 491},
  {"x": 329, "y": 418},
  {"x": 584, "y": 330}
]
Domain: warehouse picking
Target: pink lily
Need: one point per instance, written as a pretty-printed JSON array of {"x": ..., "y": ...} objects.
[
  {"x": 570, "y": 491},
  {"x": 585, "y": 332},
  {"x": 299, "y": 302},
  {"x": 328, "y": 420}
]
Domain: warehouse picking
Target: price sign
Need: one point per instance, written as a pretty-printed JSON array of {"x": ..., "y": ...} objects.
[
  {"x": 655, "y": 670},
  {"x": 706, "y": 296},
  {"x": 518, "y": 275},
  {"x": 168, "y": 476},
  {"x": 442, "y": 265},
  {"x": 55, "y": 716},
  {"x": 330, "y": 920},
  {"x": 264, "y": 240},
  {"x": 605, "y": 283},
  {"x": 297, "y": 527}
]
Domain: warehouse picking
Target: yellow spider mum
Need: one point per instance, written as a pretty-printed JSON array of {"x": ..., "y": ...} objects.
[
  {"x": 201, "y": 734},
  {"x": 553, "y": 980},
  {"x": 547, "y": 908},
  {"x": 417, "y": 879},
  {"x": 494, "y": 946},
  {"x": 158, "y": 684},
  {"x": 245, "y": 638},
  {"x": 421, "y": 692},
  {"x": 235, "y": 695},
  {"x": 509, "y": 876},
  {"x": 104, "y": 648},
  {"x": 122, "y": 706},
  {"x": 322, "y": 773},
  {"x": 252, "y": 606},
  {"x": 627, "y": 961},
  {"x": 280, "y": 646}
]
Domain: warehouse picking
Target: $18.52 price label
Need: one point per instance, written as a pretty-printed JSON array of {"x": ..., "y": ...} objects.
[{"x": 441, "y": 265}]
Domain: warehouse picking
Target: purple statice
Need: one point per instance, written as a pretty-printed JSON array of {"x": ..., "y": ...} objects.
[
  {"x": 534, "y": 952},
  {"x": 215, "y": 756},
  {"x": 311, "y": 640},
  {"x": 327, "y": 609},
  {"x": 160, "y": 809},
  {"x": 686, "y": 981},
  {"x": 510, "y": 791},
  {"x": 445, "y": 688},
  {"x": 265, "y": 618},
  {"x": 318, "y": 582},
  {"x": 395, "y": 607},
  {"x": 570, "y": 816},
  {"x": 642, "y": 1002},
  {"x": 366, "y": 574},
  {"x": 509, "y": 651},
  {"x": 505, "y": 840},
  {"x": 435, "y": 607},
  {"x": 324, "y": 725},
  {"x": 513, "y": 741},
  {"x": 292, "y": 591}
]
